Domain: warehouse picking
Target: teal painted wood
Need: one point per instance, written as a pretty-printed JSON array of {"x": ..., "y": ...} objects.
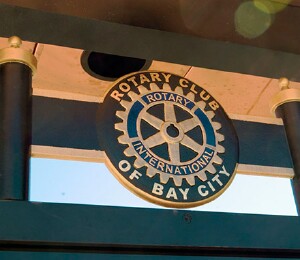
[
  {"x": 133, "y": 41},
  {"x": 24, "y": 223},
  {"x": 79, "y": 121},
  {"x": 189, "y": 18},
  {"x": 5, "y": 255}
]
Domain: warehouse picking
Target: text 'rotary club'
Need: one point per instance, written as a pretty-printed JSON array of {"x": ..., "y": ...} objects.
[{"x": 140, "y": 79}]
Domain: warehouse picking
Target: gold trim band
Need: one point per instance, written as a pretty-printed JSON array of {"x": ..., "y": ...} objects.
[
  {"x": 284, "y": 96},
  {"x": 15, "y": 54}
]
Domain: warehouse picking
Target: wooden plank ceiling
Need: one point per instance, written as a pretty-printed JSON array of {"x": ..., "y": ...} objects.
[
  {"x": 252, "y": 37},
  {"x": 61, "y": 75}
]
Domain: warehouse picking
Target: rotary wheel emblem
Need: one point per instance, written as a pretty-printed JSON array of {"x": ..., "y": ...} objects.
[
  {"x": 167, "y": 140},
  {"x": 171, "y": 134}
]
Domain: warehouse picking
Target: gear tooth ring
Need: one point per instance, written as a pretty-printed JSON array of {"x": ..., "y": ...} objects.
[{"x": 186, "y": 158}]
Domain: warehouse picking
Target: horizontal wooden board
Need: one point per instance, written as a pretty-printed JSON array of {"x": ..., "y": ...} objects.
[
  {"x": 73, "y": 124},
  {"x": 8, "y": 255},
  {"x": 211, "y": 19},
  {"x": 134, "y": 41},
  {"x": 63, "y": 227}
]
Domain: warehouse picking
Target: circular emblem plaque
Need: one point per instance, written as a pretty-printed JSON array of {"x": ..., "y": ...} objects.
[{"x": 167, "y": 140}]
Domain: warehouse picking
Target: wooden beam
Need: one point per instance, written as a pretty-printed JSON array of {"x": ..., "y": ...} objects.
[
  {"x": 165, "y": 45},
  {"x": 210, "y": 19},
  {"x": 59, "y": 153},
  {"x": 52, "y": 227},
  {"x": 72, "y": 126}
]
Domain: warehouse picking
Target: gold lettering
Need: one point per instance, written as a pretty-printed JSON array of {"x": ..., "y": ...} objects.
[
  {"x": 172, "y": 194},
  {"x": 193, "y": 89},
  {"x": 160, "y": 165},
  {"x": 157, "y": 96},
  {"x": 201, "y": 192},
  {"x": 224, "y": 171},
  {"x": 150, "y": 98},
  {"x": 216, "y": 178},
  {"x": 186, "y": 101},
  {"x": 140, "y": 150},
  {"x": 166, "y": 76},
  {"x": 147, "y": 155},
  {"x": 211, "y": 186},
  {"x": 132, "y": 79},
  {"x": 195, "y": 167},
  {"x": 171, "y": 97},
  {"x": 155, "y": 77},
  {"x": 184, "y": 193},
  {"x": 157, "y": 189},
  {"x": 124, "y": 87},
  {"x": 177, "y": 170},
  {"x": 206, "y": 158},
  {"x": 183, "y": 83},
  {"x": 116, "y": 95},
  {"x": 179, "y": 99},
  {"x": 202, "y": 95},
  {"x": 152, "y": 161},
  {"x": 184, "y": 168},
  {"x": 143, "y": 79},
  {"x": 210, "y": 154},
  {"x": 135, "y": 175},
  {"x": 214, "y": 105},
  {"x": 201, "y": 163},
  {"x": 169, "y": 168}
]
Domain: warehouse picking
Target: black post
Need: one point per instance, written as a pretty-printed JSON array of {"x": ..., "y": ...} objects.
[
  {"x": 16, "y": 68},
  {"x": 286, "y": 104}
]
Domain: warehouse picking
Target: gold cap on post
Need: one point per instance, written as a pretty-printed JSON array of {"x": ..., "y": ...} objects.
[
  {"x": 283, "y": 83},
  {"x": 285, "y": 95},
  {"x": 16, "y": 54}
]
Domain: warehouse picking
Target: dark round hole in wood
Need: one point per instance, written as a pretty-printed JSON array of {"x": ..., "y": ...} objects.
[{"x": 110, "y": 67}]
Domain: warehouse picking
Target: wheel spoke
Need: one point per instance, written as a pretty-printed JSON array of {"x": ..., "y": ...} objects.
[
  {"x": 154, "y": 140},
  {"x": 174, "y": 152},
  {"x": 153, "y": 120},
  {"x": 188, "y": 124},
  {"x": 190, "y": 143},
  {"x": 169, "y": 112}
]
